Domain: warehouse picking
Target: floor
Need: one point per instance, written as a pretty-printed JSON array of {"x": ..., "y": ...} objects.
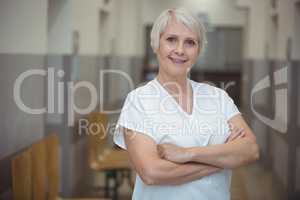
[{"x": 255, "y": 183}]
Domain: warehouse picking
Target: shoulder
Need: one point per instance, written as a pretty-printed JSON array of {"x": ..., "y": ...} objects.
[
  {"x": 207, "y": 89},
  {"x": 215, "y": 97},
  {"x": 143, "y": 95},
  {"x": 147, "y": 90}
]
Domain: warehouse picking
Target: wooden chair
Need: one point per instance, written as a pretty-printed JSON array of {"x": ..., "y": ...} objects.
[
  {"x": 52, "y": 153},
  {"x": 104, "y": 158},
  {"x": 35, "y": 172},
  {"x": 52, "y": 150},
  {"x": 39, "y": 173},
  {"x": 21, "y": 176}
]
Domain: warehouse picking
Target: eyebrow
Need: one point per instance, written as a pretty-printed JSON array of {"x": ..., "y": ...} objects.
[{"x": 174, "y": 35}]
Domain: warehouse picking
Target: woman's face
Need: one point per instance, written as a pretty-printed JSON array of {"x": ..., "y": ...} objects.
[{"x": 178, "y": 49}]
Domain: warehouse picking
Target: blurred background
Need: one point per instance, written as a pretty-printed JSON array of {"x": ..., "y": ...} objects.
[{"x": 253, "y": 52}]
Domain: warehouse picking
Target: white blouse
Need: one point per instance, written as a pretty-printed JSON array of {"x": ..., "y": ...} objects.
[{"x": 151, "y": 110}]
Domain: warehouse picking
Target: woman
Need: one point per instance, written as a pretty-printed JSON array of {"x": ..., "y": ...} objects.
[{"x": 176, "y": 131}]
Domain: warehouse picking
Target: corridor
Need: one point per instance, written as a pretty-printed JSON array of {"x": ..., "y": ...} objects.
[{"x": 67, "y": 67}]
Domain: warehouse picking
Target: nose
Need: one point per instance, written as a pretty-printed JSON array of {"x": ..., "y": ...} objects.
[{"x": 179, "y": 48}]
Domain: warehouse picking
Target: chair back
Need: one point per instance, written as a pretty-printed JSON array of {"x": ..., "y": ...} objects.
[
  {"x": 22, "y": 176},
  {"x": 97, "y": 135},
  {"x": 39, "y": 172},
  {"x": 52, "y": 152}
]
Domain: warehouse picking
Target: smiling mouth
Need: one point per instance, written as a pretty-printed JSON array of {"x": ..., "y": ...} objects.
[{"x": 177, "y": 60}]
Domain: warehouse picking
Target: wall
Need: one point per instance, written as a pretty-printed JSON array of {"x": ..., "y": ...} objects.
[
  {"x": 286, "y": 22},
  {"x": 266, "y": 51},
  {"x": 59, "y": 27},
  {"x": 256, "y": 28},
  {"x": 129, "y": 40},
  {"x": 23, "y": 44},
  {"x": 24, "y": 26},
  {"x": 85, "y": 19},
  {"x": 221, "y": 12},
  {"x": 21, "y": 50},
  {"x": 296, "y": 32}
]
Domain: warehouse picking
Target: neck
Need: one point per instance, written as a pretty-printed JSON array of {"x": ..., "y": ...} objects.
[{"x": 174, "y": 84}]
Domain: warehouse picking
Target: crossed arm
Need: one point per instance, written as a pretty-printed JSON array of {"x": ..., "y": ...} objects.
[
  {"x": 240, "y": 149},
  {"x": 168, "y": 164},
  {"x": 154, "y": 170}
]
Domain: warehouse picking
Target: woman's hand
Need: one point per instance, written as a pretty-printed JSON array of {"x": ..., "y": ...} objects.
[
  {"x": 235, "y": 133},
  {"x": 173, "y": 153},
  {"x": 178, "y": 154}
]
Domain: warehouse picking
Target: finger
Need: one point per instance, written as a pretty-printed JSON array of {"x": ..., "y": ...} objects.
[
  {"x": 243, "y": 134},
  {"x": 230, "y": 125},
  {"x": 229, "y": 137},
  {"x": 238, "y": 134},
  {"x": 235, "y": 129},
  {"x": 235, "y": 134}
]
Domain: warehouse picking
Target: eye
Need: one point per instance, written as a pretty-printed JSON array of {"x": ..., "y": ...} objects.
[
  {"x": 171, "y": 39},
  {"x": 191, "y": 42}
]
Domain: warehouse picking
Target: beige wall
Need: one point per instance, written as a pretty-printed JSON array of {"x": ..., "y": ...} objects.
[
  {"x": 121, "y": 33},
  {"x": 85, "y": 20},
  {"x": 255, "y": 42},
  {"x": 59, "y": 27},
  {"x": 23, "y": 26},
  {"x": 127, "y": 19},
  {"x": 296, "y": 33},
  {"x": 264, "y": 39},
  {"x": 285, "y": 26},
  {"x": 129, "y": 37},
  {"x": 221, "y": 12}
]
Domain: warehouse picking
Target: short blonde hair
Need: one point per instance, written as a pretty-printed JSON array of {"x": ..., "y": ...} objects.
[{"x": 185, "y": 17}]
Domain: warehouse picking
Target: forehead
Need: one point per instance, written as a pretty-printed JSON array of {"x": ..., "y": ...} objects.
[{"x": 175, "y": 27}]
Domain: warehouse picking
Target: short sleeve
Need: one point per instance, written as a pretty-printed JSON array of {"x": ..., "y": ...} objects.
[
  {"x": 229, "y": 108},
  {"x": 133, "y": 117}
]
